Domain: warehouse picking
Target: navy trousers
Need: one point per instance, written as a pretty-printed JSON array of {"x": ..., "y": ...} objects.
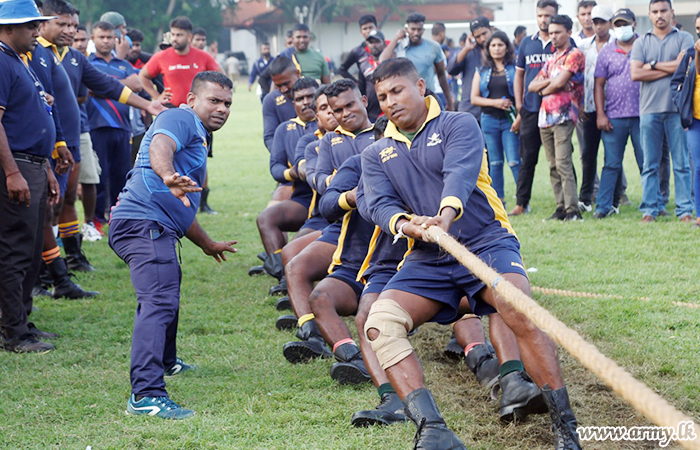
[
  {"x": 149, "y": 249},
  {"x": 113, "y": 148}
]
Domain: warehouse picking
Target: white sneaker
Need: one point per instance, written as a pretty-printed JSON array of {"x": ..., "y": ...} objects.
[{"x": 90, "y": 233}]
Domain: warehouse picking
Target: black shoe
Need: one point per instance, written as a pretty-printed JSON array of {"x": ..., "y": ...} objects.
[
  {"x": 390, "y": 410},
  {"x": 256, "y": 270},
  {"x": 273, "y": 265},
  {"x": 304, "y": 351},
  {"x": 453, "y": 350},
  {"x": 520, "y": 397},
  {"x": 280, "y": 289},
  {"x": 75, "y": 258},
  {"x": 203, "y": 205},
  {"x": 38, "y": 334},
  {"x": 432, "y": 433},
  {"x": 573, "y": 216},
  {"x": 483, "y": 363},
  {"x": 40, "y": 291},
  {"x": 563, "y": 419},
  {"x": 63, "y": 285},
  {"x": 559, "y": 214},
  {"x": 26, "y": 344},
  {"x": 284, "y": 304},
  {"x": 350, "y": 368},
  {"x": 262, "y": 256},
  {"x": 286, "y": 322}
]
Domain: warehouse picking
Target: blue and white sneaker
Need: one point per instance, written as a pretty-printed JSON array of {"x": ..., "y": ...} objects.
[
  {"x": 179, "y": 367},
  {"x": 161, "y": 407}
]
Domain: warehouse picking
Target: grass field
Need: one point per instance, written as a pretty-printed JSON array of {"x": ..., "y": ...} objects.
[{"x": 247, "y": 396}]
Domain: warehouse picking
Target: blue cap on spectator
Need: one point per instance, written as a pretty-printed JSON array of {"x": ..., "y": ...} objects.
[{"x": 14, "y": 12}]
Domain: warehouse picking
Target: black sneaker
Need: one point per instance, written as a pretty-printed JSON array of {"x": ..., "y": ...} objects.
[
  {"x": 573, "y": 216},
  {"x": 39, "y": 334},
  {"x": 390, "y": 410},
  {"x": 284, "y": 304},
  {"x": 26, "y": 344},
  {"x": 559, "y": 214}
]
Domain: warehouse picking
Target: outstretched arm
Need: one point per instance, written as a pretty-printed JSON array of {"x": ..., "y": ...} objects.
[{"x": 202, "y": 240}]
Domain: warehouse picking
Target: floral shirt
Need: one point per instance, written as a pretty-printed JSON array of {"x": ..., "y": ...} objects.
[{"x": 563, "y": 105}]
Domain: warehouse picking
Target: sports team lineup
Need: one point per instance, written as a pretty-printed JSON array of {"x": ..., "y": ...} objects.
[{"x": 386, "y": 244}]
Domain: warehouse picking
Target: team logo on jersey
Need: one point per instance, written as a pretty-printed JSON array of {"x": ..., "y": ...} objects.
[
  {"x": 74, "y": 62},
  {"x": 195, "y": 66},
  {"x": 280, "y": 100},
  {"x": 336, "y": 140},
  {"x": 42, "y": 61},
  {"x": 291, "y": 126},
  {"x": 388, "y": 153},
  {"x": 434, "y": 140}
]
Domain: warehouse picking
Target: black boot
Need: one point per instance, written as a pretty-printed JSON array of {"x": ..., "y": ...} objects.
[
  {"x": 563, "y": 419},
  {"x": 273, "y": 265},
  {"x": 390, "y": 410},
  {"x": 286, "y": 322},
  {"x": 284, "y": 304},
  {"x": 453, "y": 350},
  {"x": 63, "y": 285},
  {"x": 432, "y": 433},
  {"x": 310, "y": 346},
  {"x": 256, "y": 270},
  {"x": 483, "y": 363},
  {"x": 75, "y": 258},
  {"x": 203, "y": 205},
  {"x": 280, "y": 289},
  {"x": 350, "y": 368},
  {"x": 520, "y": 397}
]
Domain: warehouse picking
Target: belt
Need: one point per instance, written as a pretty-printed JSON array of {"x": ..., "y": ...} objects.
[{"x": 26, "y": 157}]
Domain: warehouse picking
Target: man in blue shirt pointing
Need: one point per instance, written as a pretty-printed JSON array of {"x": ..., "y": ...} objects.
[{"x": 156, "y": 208}]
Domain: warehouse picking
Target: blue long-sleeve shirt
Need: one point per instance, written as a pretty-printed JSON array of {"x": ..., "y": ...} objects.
[
  {"x": 276, "y": 108},
  {"x": 47, "y": 68},
  {"x": 334, "y": 149},
  {"x": 258, "y": 67},
  {"x": 444, "y": 166}
]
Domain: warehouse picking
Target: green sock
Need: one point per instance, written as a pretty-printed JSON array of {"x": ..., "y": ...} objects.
[
  {"x": 385, "y": 388},
  {"x": 510, "y": 366}
]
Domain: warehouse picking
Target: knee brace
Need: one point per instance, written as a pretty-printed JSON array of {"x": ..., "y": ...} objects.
[{"x": 393, "y": 323}]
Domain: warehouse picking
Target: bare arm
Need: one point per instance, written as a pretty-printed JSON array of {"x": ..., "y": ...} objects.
[
  {"x": 133, "y": 82},
  {"x": 154, "y": 107},
  {"x": 643, "y": 72},
  {"x": 469, "y": 45},
  {"x": 388, "y": 52},
  {"x": 538, "y": 84},
  {"x": 558, "y": 83},
  {"x": 602, "y": 120},
  {"x": 326, "y": 79},
  {"x": 518, "y": 84},
  {"x": 161, "y": 153},
  {"x": 147, "y": 84},
  {"x": 202, "y": 240},
  {"x": 476, "y": 99},
  {"x": 697, "y": 53}
]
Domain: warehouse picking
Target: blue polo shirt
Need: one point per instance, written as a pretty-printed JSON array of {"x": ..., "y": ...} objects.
[
  {"x": 105, "y": 112},
  {"x": 27, "y": 119},
  {"x": 145, "y": 195},
  {"x": 46, "y": 68}
]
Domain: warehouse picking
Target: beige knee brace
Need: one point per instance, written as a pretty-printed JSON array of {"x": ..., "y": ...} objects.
[{"x": 392, "y": 322}]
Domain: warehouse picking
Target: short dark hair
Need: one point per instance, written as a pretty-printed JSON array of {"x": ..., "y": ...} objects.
[
  {"x": 661, "y": 1},
  {"x": 182, "y": 23},
  {"x": 438, "y": 27},
  {"x": 57, "y": 8},
  {"x": 697, "y": 15},
  {"x": 564, "y": 20},
  {"x": 281, "y": 64},
  {"x": 210, "y": 76},
  {"x": 415, "y": 18},
  {"x": 510, "y": 50},
  {"x": 338, "y": 87},
  {"x": 102, "y": 25},
  {"x": 81, "y": 27},
  {"x": 545, "y": 3},
  {"x": 519, "y": 30},
  {"x": 395, "y": 67},
  {"x": 200, "y": 31},
  {"x": 367, "y": 18},
  {"x": 300, "y": 27},
  {"x": 304, "y": 83},
  {"x": 290, "y": 33},
  {"x": 135, "y": 34},
  {"x": 586, "y": 4},
  {"x": 265, "y": 43},
  {"x": 321, "y": 90}
]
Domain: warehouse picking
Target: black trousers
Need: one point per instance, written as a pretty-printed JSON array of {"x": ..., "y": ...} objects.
[
  {"x": 21, "y": 241},
  {"x": 530, "y": 143},
  {"x": 589, "y": 156}
]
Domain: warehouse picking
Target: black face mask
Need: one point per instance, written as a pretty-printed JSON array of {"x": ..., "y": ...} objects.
[{"x": 698, "y": 34}]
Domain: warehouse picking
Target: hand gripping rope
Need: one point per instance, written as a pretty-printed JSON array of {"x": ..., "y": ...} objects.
[{"x": 636, "y": 393}]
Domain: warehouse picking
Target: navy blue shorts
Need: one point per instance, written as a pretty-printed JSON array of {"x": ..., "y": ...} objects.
[
  {"x": 447, "y": 281},
  {"x": 377, "y": 280},
  {"x": 304, "y": 199},
  {"x": 315, "y": 223},
  {"x": 331, "y": 233},
  {"x": 348, "y": 276}
]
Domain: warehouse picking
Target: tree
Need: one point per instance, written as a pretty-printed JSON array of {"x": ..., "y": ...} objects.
[{"x": 152, "y": 17}]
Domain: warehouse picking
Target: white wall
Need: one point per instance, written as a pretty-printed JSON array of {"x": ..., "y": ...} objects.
[{"x": 246, "y": 42}]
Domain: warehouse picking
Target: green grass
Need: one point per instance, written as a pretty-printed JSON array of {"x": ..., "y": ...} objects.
[{"x": 248, "y": 397}]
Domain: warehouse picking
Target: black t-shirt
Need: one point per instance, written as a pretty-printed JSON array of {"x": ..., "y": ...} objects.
[{"x": 498, "y": 88}]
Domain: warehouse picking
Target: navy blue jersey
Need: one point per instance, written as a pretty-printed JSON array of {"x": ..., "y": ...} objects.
[
  {"x": 300, "y": 149},
  {"x": 284, "y": 145},
  {"x": 22, "y": 96},
  {"x": 104, "y": 112},
  {"x": 334, "y": 149},
  {"x": 355, "y": 232},
  {"x": 46, "y": 67},
  {"x": 145, "y": 196},
  {"x": 276, "y": 108},
  {"x": 258, "y": 67},
  {"x": 444, "y": 166}
]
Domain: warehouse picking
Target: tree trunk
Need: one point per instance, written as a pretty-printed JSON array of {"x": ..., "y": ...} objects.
[{"x": 168, "y": 13}]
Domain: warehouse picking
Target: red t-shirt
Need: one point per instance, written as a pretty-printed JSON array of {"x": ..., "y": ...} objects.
[{"x": 179, "y": 70}]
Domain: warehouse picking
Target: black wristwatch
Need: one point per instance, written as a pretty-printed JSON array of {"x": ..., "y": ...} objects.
[{"x": 653, "y": 64}]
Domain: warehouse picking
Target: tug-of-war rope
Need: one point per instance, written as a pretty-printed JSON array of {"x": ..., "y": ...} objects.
[
  {"x": 563, "y": 293},
  {"x": 636, "y": 393}
]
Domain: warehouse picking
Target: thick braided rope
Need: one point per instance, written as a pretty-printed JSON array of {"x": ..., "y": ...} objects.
[
  {"x": 563, "y": 293},
  {"x": 636, "y": 393}
]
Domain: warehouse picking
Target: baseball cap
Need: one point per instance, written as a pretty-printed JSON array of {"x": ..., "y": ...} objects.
[
  {"x": 376, "y": 34},
  {"x": 601, "y": 12},
  {"x": 624, "y": 14},
  {"x": 479, "y": 22},
  {"x": 13, "y": 12},
  {"x": 114, "y": 18}
]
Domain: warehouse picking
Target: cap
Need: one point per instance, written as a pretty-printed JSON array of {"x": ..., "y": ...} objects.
[
  {"x": 601, "y": 12},
  {"x": 20, "y": 11},
  {"x": 479, "y": 22},
  {"x": 114, "y": 18},
  {"x": 624, "y": 14},
  {"x": 376, "y": 34}
]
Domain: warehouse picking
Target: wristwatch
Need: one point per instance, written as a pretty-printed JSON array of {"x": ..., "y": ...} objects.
[{"x": 652, "y": 63}]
